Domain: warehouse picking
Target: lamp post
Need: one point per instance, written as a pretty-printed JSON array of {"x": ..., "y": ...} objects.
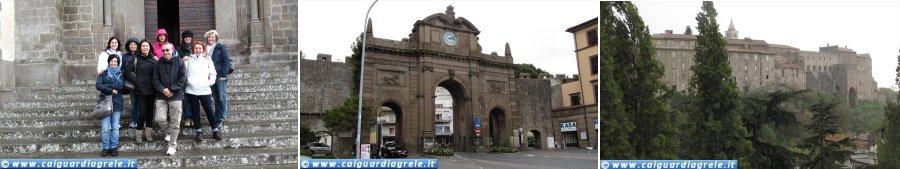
[{"x": 362, "y": 70}]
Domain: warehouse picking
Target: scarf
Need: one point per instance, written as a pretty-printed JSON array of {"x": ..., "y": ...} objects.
[{"x": 113, "y": 72}]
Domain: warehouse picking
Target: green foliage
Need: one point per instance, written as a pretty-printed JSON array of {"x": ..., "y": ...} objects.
[
  {"x": 616, "y": 126},
  {"x": 826, "y": 151},
  {"x": 503, "y": 149},
  {"x": 763, "y": 113},
  {"x": 440, "y": 151},
  {"x": 889, "y": 144},
  {"x": 532, "y": 71},
  {"x": 629, "y": 57},
  {"x": 354, "y": 60},
  {"x": 343, "y": 118},
  {"x": 306, "y": 135},
  {"x": 717, "y": 131}
]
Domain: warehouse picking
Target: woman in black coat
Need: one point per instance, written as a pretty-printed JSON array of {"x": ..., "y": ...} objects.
[{"x": 141, "y": 74}]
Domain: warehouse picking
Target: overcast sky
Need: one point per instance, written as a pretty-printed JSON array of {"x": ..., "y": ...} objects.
[
  {"x": 865, "y": 27},
  {"x": 535, "y": 30}
]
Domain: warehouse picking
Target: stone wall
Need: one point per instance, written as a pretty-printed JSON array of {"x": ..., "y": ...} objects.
[
  {"x": 534, "y": 103},
  {"x": 83, "y": 37},
  {"x": 323, "y": 85},
  {"x": 283, "y": 25},
  {"x": 38, "y": 28}
]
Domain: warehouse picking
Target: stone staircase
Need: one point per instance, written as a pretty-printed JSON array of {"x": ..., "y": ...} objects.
[{"x": 261, "y": 129}]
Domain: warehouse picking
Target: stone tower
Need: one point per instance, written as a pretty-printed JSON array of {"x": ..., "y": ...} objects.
[{"x": 731, "y": 33}]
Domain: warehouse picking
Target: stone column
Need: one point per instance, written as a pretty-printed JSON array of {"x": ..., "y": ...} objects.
[{"x": 256, "y": 32}]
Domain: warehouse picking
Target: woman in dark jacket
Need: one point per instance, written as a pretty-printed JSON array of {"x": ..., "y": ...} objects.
[
  {"x": 132, "y": 48},
  {"x": 141, "y": 74},
  {"x": 110, "y": 82}
]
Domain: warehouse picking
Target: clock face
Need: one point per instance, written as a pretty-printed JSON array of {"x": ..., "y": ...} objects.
[{"x": 450, "y": 38}]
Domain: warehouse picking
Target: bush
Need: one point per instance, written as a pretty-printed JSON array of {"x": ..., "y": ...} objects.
[
  {"x": 305, "y": 152},
  {"x": 440, "y": 151},
  {"x": 503, "y": 149}
]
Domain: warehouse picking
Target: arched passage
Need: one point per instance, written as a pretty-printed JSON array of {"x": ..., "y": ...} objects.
[
  {"x": 534, "y": 139},
  {"x": 458, "y": 138},
  {"x": 497, "y": 126},
  {"x": 390, "y": 120}
]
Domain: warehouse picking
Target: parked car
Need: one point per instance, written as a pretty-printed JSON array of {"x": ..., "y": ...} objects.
[
  {"x": 319, "y": 148},
  {"x": 392, "y": 149}
]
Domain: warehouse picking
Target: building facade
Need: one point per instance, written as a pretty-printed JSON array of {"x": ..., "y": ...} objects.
[
  {"x": 575, "y": 111},
  {"x": 57, "y": 42},
  {"x": 757, "y": 64}
]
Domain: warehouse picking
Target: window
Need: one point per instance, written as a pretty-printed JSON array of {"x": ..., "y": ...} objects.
[
  {"x": 594, "y": 65},
  {"x": 755, "y": 56},
  {"x": 592, "y": 37},
  {"x": 575, "y": 99},
  {"x": 673, "y": 54},
  {"x": 674, "y": 66}
]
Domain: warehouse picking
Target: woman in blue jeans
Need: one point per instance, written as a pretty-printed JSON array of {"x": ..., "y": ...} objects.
[{"x": 110, "y": 82}]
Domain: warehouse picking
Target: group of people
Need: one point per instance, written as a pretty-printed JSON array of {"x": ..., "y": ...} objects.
[{"x": 166, "y": 87}]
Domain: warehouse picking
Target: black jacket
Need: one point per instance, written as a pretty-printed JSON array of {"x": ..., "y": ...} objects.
[
  {"x": 169, "y": 74},
  {"x": 106, "y": 85},
  {"x": 141, "y": 75}
]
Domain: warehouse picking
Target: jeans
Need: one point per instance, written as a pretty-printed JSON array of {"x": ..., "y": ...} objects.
[
  {"x": 109, "y": 130},
  {"x": 186, "y": 110},
  {"x": 206, "y": 101},
  {"x": 220, "y": 95},
  {"x": 172, "y": 110},
  {"x": 134, "y": 109}
]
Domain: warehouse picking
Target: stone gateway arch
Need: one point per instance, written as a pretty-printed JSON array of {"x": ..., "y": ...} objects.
[{"x": 442, "y": 51}]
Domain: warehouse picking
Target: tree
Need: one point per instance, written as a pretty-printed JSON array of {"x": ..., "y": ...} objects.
[
  {"x": 306, "y": 135},
  {"x": 637, "y": 73},
  {"x": 687, "y": 30},
  {"x": 826, "y": 152},
  {"x": 530, "y": 70},
  {"x": 354, "y": 61},
  {"x": 615, "y": 125},
  {"x": 764, "y": 114},
  {"x": 717, "y": 131},
  {"x": 343, "y": 118},
  {"x": 889, "y": 144}
]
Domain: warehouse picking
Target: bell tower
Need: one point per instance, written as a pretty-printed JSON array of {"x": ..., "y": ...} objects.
[{"x": 731, "y": 33}]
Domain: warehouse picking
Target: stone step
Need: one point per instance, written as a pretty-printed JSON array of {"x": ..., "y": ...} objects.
[
  {"x": 93, "y": 131},
  {"x": 85, "y": 120},
  {"x": 235, "y": 106},
  {"x": 91, "y": 95},
  {"x": 92, "y": 88},
  {"x": 84, "y": 112},
  {"x": 90, "y": 102},
  {"x": 280, "y": 157},
  {"x": 187, "y": 143}
]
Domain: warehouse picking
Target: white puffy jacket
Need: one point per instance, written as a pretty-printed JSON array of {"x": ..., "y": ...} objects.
[{"x": 201, "y": 74}]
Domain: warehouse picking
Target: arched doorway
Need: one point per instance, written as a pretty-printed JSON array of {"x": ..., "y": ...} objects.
[
  {"x": 851, "y": 97},
  {"x": 497, "y": 126},
  {"x": 389, "y": 124},
  {"x": 455, "y": 92},
  {"x": 534, "y": 139}
]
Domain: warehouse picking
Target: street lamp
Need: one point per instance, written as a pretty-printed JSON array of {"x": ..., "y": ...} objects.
[{"x": 362, "y": 70}]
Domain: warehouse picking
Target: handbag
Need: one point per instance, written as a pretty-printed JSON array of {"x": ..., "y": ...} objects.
[
  {"x": 104, "y": 107},
  {"x": 129, "y": 86}
]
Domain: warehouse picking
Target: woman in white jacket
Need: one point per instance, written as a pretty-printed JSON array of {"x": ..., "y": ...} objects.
[
  {"x": 112, "y": 49},
  {"x": 201, "y": 74}
]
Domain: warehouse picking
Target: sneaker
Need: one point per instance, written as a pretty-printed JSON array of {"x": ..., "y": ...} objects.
[
  {"x": 199, "y": 137},
  {"x": 132, "y": 125},
  {"x": 171, "y": 151},
  {"x": 217, "y": 135},
  {"x": 114, "y": 151},
  {"x": 168, "y": 137}
]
